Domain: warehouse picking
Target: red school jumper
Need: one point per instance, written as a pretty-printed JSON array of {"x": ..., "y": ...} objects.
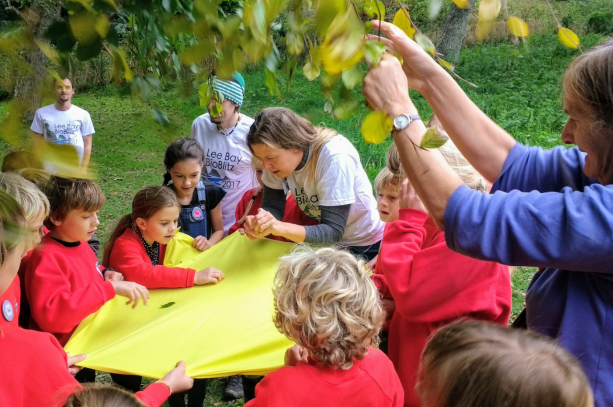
[
  {"x": 293, "y": 213},
  {"x": 10, "y": 301},
  {"x": 64, "y": 285},
  {"x": 434, "y": 286},
  {"x": 130, "y": 258},
  {"x": 22, "y": 350},
  {"x": 371, "y": 382}
]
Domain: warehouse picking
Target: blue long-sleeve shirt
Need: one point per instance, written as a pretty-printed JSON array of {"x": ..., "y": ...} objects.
[{"x": 544, "y": 212}]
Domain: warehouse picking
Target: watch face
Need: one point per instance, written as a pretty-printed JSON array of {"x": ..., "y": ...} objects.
[{"x": 401, "y": 121}]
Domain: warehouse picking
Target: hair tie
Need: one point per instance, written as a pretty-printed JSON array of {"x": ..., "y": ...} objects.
[{"x": 167, "y": 178}]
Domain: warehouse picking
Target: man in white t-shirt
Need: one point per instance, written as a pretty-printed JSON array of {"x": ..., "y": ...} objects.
[
  {"x": 64, "y": 123},
  {"x": 228, "y": 158}
]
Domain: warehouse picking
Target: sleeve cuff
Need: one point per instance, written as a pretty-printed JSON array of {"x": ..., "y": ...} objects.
[
  {"x": 154, "y": 395},
  {"x": 459, "y": 196},
  {"x": 108, "y": 291},
  {"x": 191, "y": 275},
  {"x": 412, "y": 215}
]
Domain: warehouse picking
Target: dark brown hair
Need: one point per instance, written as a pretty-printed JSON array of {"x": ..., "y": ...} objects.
[
  {"x": 67, "y": 194},
  {"x": 474, "y": 364},
  {"x": 102, "y": 396},
  {"x": 282, "y": 129},
  {"x": 12, "y": 225},
  {"x": 146, "y": 203},
  {"x": 182, "y": 149},
  {"x": 588, "y": 81}
]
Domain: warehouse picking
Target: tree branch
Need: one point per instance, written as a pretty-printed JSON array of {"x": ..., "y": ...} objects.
[{"x": 15, "y": 10}]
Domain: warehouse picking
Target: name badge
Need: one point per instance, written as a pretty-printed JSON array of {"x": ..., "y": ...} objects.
[
  {"x": 7, "y": 310},
  {"x": 197, "y": 214}
]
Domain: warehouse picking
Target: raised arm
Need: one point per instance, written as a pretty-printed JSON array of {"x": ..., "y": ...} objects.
[{"x": 484, "y": 144}]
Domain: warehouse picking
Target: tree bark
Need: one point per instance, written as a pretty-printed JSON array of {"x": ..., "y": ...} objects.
[
  {"x": 29, "y": 84},
  {"x": 454, "y": 31}
]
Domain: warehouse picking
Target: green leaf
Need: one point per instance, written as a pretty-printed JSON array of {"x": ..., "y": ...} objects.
[
  {"x": 168, "y": 304},
  {"x": 206, "y": 94},
  {"x": 310, "y": 71},
  {"x": 373, "y": 8},
  {"x": 373, "y": 52},
  {"x": 59, "y": 34},
  {"x": 328, "y": 107},
  {"x": 49, "y": 51},
  {"x": 434, "y": 138},
  {"x": 346, "y": 109},
  {"x": 352, "y": 77},
  {"x": 376, "y": 127},
  {"x": 326, "y": 12},
  {"x": 289, "y": 68},
  {"x": 271, "y": 83},
  {"x": 425, "y": 43},
  {"x": 446, "y": 64},
  {"x": 88, "y": 51},
  {"x": 435, "y": 8},
  {"x": 294, "y": 43}
]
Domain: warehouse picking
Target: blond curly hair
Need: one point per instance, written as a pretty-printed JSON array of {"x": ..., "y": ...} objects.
[{"x": 326, "y": 303}]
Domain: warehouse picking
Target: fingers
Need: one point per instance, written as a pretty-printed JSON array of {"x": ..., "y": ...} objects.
[{"x": 181, "y": 366}]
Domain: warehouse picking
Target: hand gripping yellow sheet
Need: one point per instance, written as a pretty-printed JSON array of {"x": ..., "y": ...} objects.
[{"x": 218, "y": 330}]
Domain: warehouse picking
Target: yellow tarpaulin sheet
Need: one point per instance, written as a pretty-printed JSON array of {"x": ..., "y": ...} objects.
[{"x": 218, "y": 330}]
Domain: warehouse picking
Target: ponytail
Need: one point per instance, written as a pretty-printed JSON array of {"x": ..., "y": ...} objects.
[
  {"x": 146, "y": 203},
  {"x": 124, "y": 223}
]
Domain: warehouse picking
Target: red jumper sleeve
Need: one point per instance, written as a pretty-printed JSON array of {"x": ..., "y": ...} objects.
[
  {"x": 127, "y": 258},
  {"x": 154, "y": 395},
  {"x": 56, "y": 305}
]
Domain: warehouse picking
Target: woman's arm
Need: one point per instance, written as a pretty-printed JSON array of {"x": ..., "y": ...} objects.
[
  {"x": 484, "y": 144},
  {"x": 568, "y": 230}
]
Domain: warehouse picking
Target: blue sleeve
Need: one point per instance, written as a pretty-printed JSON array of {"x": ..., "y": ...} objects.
[
  {"x": 535, "y": 169},
  {"x": 567, "y": 230}
]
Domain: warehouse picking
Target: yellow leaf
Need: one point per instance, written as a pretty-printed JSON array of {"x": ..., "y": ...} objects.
[
  {"x": 83, "y": 27},
  {"x": 310, "y": 71},
  {"x": 434, "y": 138},
  {"x": 425, "y": 43},
  {"x": 49, "y": 51},
  {"x": 376, "y": 127},
  {"x": 401, "y": 20},
  {"x": 518, "y": 27},
  {"x": 342, "y": 47},
  {"x": 64, "y": 159},
  {"x": 568, "y": 38},
  {"x": 488, "y": 12},
  {"x": 102, "y": 25},
  {"x": 11, "y": 124},
  {"x": 461, "y": 3},
  {"x": 446, "y": 64}
]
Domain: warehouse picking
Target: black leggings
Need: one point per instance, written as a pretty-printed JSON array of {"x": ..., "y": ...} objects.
[
  {"x": 128, "y": 382},
  {"x": 195, "y": 395},
  {"x": 365, "y": 252}
]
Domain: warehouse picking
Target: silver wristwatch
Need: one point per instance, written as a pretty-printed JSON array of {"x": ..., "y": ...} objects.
[{"x": 402, "y": 121}]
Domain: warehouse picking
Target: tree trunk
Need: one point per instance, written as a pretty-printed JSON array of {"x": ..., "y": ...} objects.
[
  {"x": 29, "y": 84},
  {"x": 454, "y": 32}
]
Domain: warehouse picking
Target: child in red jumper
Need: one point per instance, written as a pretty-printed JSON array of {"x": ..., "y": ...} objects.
[
  {"x": 64, "y": 281},
  {"x": 387, "y": 187},
  {"x": 252, "y": 201},
  {"x": 137, "y": 248},
  {"x": 326, "y": 303},
  {"x": 36, "y": 208},
  {"x": 431, "y": 285},
  {"x": 476, "y": 364},
  {"x": 21, "y": 350}
]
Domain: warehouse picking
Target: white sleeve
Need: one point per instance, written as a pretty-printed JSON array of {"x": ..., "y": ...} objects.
[
  {"x": 271, "y": 181},
  {"x": 37, "y": 124},
  {"x": 192, "y": 133},
  {"x": 87, "y": 127},
  {"x": 336, "y": 180}
]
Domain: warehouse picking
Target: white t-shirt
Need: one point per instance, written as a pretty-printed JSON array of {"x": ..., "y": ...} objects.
[
  {"x": 339, "y": 180},
  {"x": 63, "y": 127},
  {"x": 228, "y": 161}
]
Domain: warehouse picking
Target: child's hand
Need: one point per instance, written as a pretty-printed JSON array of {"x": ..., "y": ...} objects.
[
  {"x": 177, "y": 381},
  {"x": 248, "y": 227},
  {"x": 201, "y": 243},
  {"x": 72, "y": 361},
  {"x": 132, "y": 291},
  {"x": 373, "y": 263},
  {"x": 208, "y": 276},
  {"x": 113, "y": 275},
  {"x": 296, "y": 354},
  {"x": 409, "y": 198}
]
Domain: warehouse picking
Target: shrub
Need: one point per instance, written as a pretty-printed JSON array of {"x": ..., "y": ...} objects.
[{"x": 600, "y": 23}]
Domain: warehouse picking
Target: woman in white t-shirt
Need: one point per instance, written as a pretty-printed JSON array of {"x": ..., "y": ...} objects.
[{"x": 322, "y": 170}]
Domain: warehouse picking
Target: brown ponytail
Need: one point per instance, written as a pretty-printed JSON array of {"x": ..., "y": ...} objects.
[{"x": 146, "y": 203}]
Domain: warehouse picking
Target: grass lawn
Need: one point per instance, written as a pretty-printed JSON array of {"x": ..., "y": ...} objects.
[{"x": 518, "y": 87}]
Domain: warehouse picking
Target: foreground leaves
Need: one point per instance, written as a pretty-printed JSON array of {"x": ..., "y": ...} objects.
[
  {"x": 568, "y": 38},
  {"x": 433, "y": 138},
  {"x": 376, "y": 126}
]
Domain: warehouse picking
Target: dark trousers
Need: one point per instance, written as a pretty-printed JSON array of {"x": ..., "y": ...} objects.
[
  {"x": 86, "y": 375},
  {"x": 195, "y": 396},
  {"x": 365, "y": 252},
  {"x": 249, "y": 383},
  {"x": 383, "y": 341},
  {"x": 128, "y": 382}
]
